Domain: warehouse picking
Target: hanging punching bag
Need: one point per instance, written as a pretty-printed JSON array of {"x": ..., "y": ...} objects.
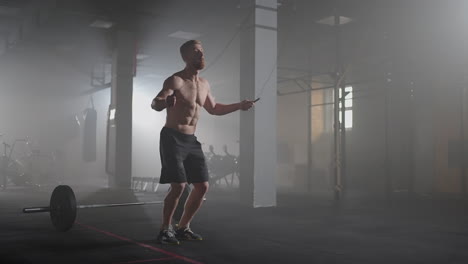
[{"x": 89, "y": 135}]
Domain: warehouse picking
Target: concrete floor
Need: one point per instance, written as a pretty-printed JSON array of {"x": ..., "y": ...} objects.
[{"x": 299, "y": 230}]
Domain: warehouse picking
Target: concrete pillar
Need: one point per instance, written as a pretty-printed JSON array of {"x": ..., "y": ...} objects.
[
  {"x": 258, "y": 142},
  {"x": 121, "y": 100}
]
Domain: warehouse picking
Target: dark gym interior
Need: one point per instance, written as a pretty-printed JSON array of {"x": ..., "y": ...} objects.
[{"x": 356, "y": 151}]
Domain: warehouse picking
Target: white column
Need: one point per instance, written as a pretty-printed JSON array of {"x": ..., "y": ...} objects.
[{"x": 258, "y": 143}]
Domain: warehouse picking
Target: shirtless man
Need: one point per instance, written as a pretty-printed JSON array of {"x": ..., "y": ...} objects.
[{"x": 183, "y": 95}]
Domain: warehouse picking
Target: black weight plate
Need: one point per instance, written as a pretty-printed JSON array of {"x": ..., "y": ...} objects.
[{"x": 63, "y": 208}]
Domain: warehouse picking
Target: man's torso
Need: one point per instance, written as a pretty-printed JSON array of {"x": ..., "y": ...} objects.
[{"x": 190, "y": 98}]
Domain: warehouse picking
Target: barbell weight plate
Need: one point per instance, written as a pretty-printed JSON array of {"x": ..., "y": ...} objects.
[{"x": 63, "y": 208}]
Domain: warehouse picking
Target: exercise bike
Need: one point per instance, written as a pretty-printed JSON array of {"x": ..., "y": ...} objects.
[{"x": 10, "y": 169}]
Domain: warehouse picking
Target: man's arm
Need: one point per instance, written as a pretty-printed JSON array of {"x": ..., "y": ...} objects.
[
  {"x": 223, "y": 109},
  {"x": 159, "y": 103}
]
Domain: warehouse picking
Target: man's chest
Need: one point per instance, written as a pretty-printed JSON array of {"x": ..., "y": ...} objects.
[{"x": 192, "y": 93}]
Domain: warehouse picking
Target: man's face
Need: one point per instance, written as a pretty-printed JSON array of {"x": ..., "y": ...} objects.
[{"x": 195, "y": 57}]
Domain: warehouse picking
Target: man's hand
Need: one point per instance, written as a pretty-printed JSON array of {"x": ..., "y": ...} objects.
[
  {"x": 246, "y": 105},
  {"x": 170, "y": 100}
]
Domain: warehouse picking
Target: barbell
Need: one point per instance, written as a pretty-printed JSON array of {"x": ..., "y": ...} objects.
[{"x": 63, "y": 207}]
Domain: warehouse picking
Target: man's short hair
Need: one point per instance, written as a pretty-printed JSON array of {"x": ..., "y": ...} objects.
[{"x": 187, "y": 45}]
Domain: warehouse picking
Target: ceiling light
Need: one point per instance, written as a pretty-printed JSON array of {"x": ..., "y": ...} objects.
[
  {"x": 184, "y": 35},
  {"x": 142, "y": 56},
  {"x": 101, "y": 24},
  {"x": 331, "y": 20}
]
